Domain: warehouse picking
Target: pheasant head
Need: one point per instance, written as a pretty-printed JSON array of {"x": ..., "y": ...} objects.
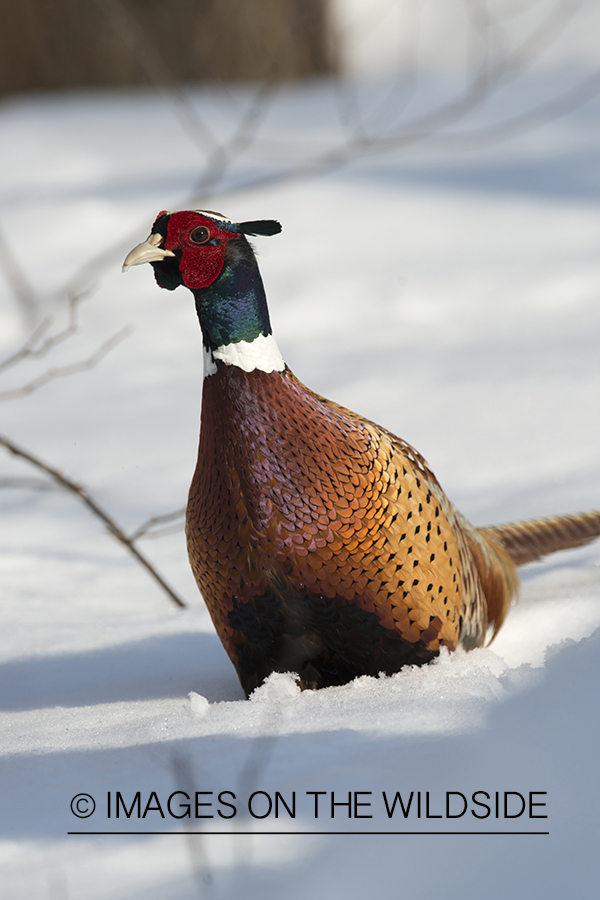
[{"x": 210, "y": 255}]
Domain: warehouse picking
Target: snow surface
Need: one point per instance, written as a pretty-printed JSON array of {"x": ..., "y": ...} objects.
[{"x": 451, "y": 297}]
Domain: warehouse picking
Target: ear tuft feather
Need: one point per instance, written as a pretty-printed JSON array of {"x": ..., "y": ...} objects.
[{"x": 265, "y": 227}]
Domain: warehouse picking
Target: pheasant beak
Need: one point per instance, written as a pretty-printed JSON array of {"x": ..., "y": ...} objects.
[{"x": 148, "y": 251}]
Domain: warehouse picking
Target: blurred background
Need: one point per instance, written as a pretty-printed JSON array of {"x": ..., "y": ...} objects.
[
  {"x": 68, "y": 45},
  {"x": 434, "y": 164}
]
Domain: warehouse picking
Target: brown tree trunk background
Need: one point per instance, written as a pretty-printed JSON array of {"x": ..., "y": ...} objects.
[{"x": 61, "y": 44}]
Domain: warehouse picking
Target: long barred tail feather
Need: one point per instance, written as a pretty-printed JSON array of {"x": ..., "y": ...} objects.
[{"x": 524, "y": 542}]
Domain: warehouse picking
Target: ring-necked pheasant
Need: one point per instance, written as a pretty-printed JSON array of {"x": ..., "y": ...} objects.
[{"x": 322, "y": 543}]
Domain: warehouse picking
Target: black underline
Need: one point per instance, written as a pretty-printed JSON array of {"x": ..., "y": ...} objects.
[{"x": 234, "y": 833}]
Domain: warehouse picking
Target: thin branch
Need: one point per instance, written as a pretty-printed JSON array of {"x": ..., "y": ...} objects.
[
  {"x": 244, "y": 134},
  {"x": 347, "y": 152},
  {"x": 17, "y": 279},
  {"x": 83, "y": 495},
  {"x": 544, "y": 36},
  {"x": 63, "y": 371},
  {"x": 352, "y": 117},
  {"x": 492, "y": 75},
  {"x": 29, "y": 349},
  {"x": 552, "y": 109},
  {"x": 163, "y": 532},
  {"x": 143, "y": 530},
  {"x": 157, "y": 71}
]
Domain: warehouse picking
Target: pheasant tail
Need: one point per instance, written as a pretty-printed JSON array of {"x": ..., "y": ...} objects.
[{"x": 524, "y": 542}]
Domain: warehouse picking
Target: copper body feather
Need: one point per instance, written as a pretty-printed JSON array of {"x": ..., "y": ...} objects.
[{"x": 322, "y": 543}]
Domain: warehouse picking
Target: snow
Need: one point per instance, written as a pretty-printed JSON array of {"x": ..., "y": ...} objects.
[{"x": 451, "y": 297}]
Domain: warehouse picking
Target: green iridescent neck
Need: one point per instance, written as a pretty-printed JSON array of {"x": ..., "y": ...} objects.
[{"x": 234, "y": 307}]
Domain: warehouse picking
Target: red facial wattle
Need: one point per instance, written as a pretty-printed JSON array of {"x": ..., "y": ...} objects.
[{"x": 202, "y": 256}]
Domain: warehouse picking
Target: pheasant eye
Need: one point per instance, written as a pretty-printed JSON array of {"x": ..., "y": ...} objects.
[{"x": 200, "y": 235}]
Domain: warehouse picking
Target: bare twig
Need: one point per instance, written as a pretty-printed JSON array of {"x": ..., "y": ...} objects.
[
  {"x": 581, "y": 93},
  {"x": 83, "y": 495},
  {"x": 62, "y": 371},
  {"x": 222, "y": 157},
  {"x": 544, "y": 36},
  {"x": 157, "y": 71},
  {"x": 28, "y": 347},
  {"x": 426, "y": 127},
  {"x": 17, "y": 280},
  {"x": 30, "y": 350},
  {"x": 149, "y": 524}
]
